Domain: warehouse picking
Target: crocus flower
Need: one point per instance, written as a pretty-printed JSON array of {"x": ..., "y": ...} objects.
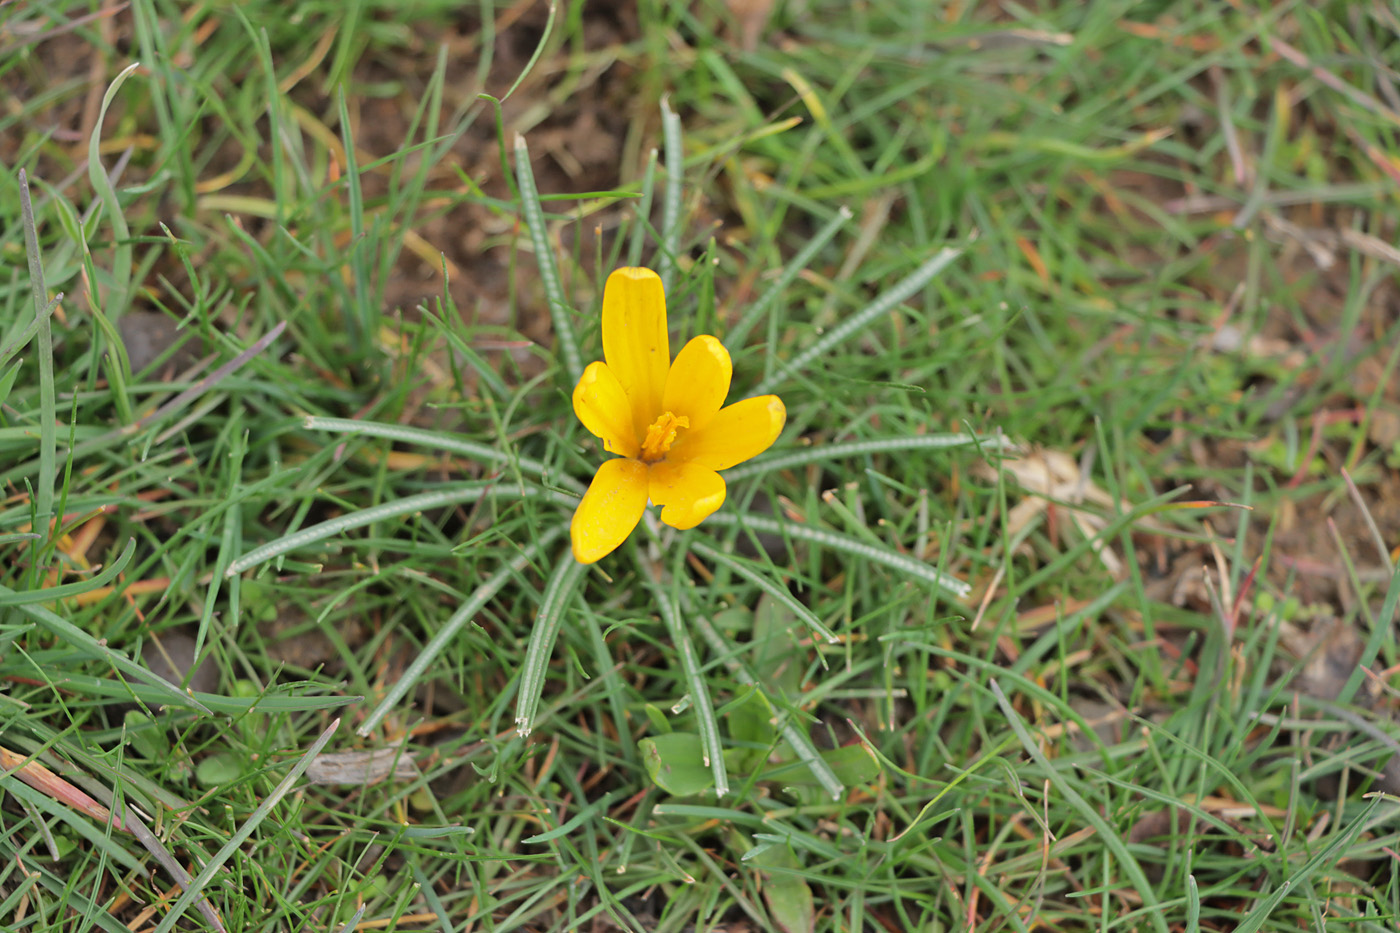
[{"x": 662, "y": 419}]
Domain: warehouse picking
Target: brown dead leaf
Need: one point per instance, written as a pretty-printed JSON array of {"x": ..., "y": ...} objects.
[
  {"x": 1384, "y": 429},
  {"x": 752, "y": 16},
  {"x": 47, "y": 782},
  {"x": 1329, "y": 651},
  {"x": 1053, "y": 478},
  {"x": 1230, "y": 339},
  {"x": 1156, "y": 826}
]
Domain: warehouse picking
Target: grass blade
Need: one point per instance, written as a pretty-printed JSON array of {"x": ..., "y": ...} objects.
[
  {"x": 9, "y": 351},
  {"x": 643, "y": 219},
  {"x": 839, "y": 542},
  {"x": 445, "y": 635},
  {"x": 42, "y": 779},
  {"x": 861, "y": 319},
  {"x": 65, "y": 590},
  {"x": 671, "y": 196},
  {"x": 361, "y": 317},
  {"x": 771, "y": 587},
  {"x": 452, "y": 495},
  {"x": 121, "y": 234},
  {"x": 403, "y": 434},
  {"x": 1331, "y": 855},
  {"x": 792, "y": 733},
  {"x": 562, "y": 586},
  {"x": 1382, "y": 627},
  {"x": 734, "y": 339},
  {"x": 712, "y": 749},
  {"x": 539, "y": 50},
  {"x": 852, "y": 449},
  {"x": 353, "y": 923},
  {"x": 104, "y": 308},
  {"x": 48, "y": 445},
  {"x": 264, "y": 809},
  {"x": 75, "y": 637},
  {"x": 1087, "y": 812},
  {"x": 565, "y": 338},
  {"x": 208, "y": 382}
]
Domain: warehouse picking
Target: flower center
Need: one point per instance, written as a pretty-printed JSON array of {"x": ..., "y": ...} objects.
[{"x": 661, "y": 435}]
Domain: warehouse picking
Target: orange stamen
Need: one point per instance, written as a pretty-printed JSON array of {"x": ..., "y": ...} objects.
[{"x": 661, "y": 435}]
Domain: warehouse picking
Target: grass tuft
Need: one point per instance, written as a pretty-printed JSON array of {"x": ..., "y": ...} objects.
[{"x": 1066, "y": 599}]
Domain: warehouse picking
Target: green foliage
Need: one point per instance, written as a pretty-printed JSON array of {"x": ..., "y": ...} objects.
[
  {"x": 290, "y": 314},
  {"x": 675, "y": 761}
]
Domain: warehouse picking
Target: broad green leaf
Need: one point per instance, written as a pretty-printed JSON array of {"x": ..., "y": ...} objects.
[
  {"x": 750, "y": 722},
  {"x": 775, "y": 657},
  {"x": 788, "y": 895},
  {"x": 676, "y": 763},
  {"x": 657, "y": 718},
  {"x": 146, "y": 736},
  {"x": 219, "y": 770},
  {"x": 853, "y": 765}
]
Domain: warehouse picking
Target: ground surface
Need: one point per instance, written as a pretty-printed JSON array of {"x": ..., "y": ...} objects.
[{"x": 1126, "y": 662}]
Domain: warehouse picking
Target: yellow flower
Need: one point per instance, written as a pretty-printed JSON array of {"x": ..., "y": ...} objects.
[{"x": 664, "y": 420}]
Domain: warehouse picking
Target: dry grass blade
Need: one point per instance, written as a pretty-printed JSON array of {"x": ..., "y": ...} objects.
[
  {"x": 208, "y": 382},
  {"x": 1377, "y": 538},
  {"x": 1355, "y": 95},
  {"x": 45, "y": 781},
  {"x": 195, "y": 889}
]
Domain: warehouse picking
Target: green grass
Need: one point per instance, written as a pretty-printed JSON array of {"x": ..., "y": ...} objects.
[{"x": 935, "y": 231}]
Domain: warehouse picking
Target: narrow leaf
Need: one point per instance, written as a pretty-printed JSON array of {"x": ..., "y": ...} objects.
[
  {"x": 565, "y": 339},
  {"x": 235, "y": 842},
  {"x": 777, "y": 592},
  {"x": 735, "y": 337},
  {"x": 711, "y": 749},
  {"x": 48, "y": 445},
  {"x": 563, "y": 585},
  {"x": 863, "y": 318},
  {"x": 909, "y": 566},
  {"x": 439, "y": 441},
  {"x": 1087, "y": 812},
  {"x": 671, "y": 196},
  {"x": 65, "y": 590},
  {"x": 452, "y": 495},
  {"x": 792, "y": 734},
  {"x": 73, "y": 636},
  {"x": 429, "y": 652}
]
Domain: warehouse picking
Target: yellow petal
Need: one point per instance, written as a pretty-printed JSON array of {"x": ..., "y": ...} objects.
[
  {"x": 601, "y": 404},
  {"x": 740, "y": 431},
  {"x": 610, "y": 509},
  {"x": 634, "y": 340},
  {"x": 689, "y": 493},
  {"x": 698, "y": 381}
]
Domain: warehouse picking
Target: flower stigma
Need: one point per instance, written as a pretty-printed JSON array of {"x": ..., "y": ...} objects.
[{"x": 661, "y": 435}]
